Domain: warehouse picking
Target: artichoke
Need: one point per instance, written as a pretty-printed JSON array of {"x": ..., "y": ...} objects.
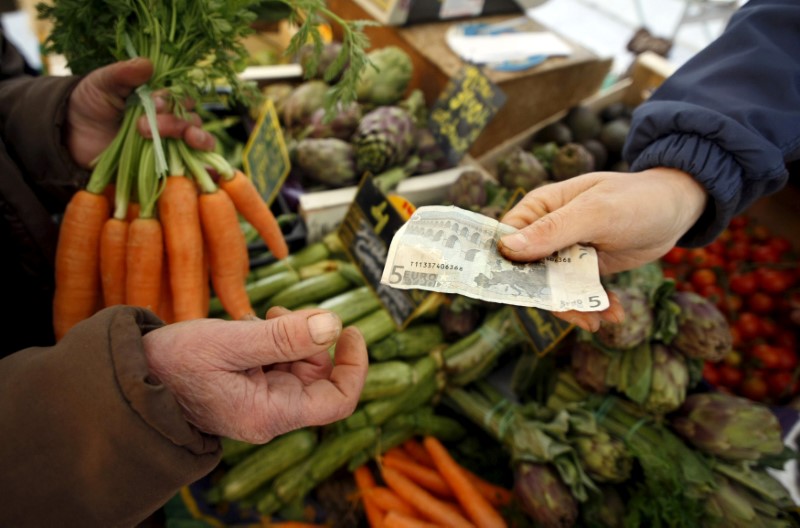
[
  {"x": 606, "y": 509},
  {"x": 545, "y": 152},
  {"x": 728, "y": 426},
  {"x": 384, "y": 138},
  {"x": 605, "y": 458},
  {"x": 278, "y": 93},
  {"x": 544, "y": 496},
  {"x": 573, "y": 159},
  {"x": 520, "y": 168},
  {"x": 430, "y": 153},
  {"x": 304, "y": 100},
  {"x": 703, "y": 331},
  {"x": 669, "y": 381},
  {"x": 386, "y": 79},
  {"x": 417, "y": 108},
  {"x": 638, "y": 323},
  {"x": 468, "y": 191},
  {"x": 729, "y": 507},
  {"x": 327, "y": 56},
  {"x": 590, "y": 366},
  {"x": 328, "y": 161},
  {"x": 342, "y": 125}
]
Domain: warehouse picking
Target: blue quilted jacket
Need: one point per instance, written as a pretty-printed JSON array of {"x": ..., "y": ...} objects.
[{"x": 730, "y": 116}]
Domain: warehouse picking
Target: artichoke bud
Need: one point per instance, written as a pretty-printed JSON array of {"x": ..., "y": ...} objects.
[
  {"x": 468, "y": 191},
  {"x": 544, "y": 496},
  {"x": 590, "y": 366},
  {"x": 327, "y": 56},
  {"x": 520, "y": 168},
  {"x": 385, "y": 80},
  {"x": 703, "y": 331},
  {"x": 669, "y": 382},
  {"x": 430, "y": 153},
  {"x": 328, "y": 161},
  {"x": 638, "y": 323},
  {"x": 303, "y": 101},
  {"x": 728, "y": 507},
  {"x": 605, "y": 459},
  {"x": 545, "y": 153},
  {"x": 384, "y": 138},
  {"x": 728, "y": 426},
  {"x": 341, "y": 125},
  {"x": 573, "y": 159}
]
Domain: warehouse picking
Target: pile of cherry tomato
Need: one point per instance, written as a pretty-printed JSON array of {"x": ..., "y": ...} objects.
[{"x": 753, "y": 277}]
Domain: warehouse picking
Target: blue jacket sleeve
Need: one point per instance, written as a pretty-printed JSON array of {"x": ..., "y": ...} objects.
[{"x": 730, "y": 116}]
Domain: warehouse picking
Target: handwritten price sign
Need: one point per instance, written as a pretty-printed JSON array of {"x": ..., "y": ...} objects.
[{"x": 266, "y": 159}]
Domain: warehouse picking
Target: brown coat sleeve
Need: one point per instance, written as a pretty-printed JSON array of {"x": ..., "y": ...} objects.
[{"x": 88, "y": 439}]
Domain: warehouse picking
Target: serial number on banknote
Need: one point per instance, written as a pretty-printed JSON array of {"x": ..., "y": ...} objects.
[
  {"x": 558, "y": 259},
  {"x": 435, "y": 265}
]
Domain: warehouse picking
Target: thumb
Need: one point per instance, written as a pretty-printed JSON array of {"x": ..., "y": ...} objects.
[
  {"x": 290, "y": 337},
  {"x": 121, "y": 78},
  {"x": 546, "y": 235}
]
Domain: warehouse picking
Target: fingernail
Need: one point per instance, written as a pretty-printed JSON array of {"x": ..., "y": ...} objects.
[
  {"x": 198, "y": 136},
  {"x": 324, "y": 327},
  {"x": 515, "y": 242}
]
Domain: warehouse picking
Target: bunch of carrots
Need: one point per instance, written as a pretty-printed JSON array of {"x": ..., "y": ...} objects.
[
  {"x": 423, "y": 486},
  {"x": 166, "y": 250}
]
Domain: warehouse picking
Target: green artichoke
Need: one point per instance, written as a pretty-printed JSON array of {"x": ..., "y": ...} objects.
[
  {"x": 638, "y": 323},
  {"x": 327, "y": 57},
  {"x": 468, "y": 191},
  {"x": 342, "y": 125},
  {"x": 520, "y": 168},
  {"x": 728, "y": 426},
  {"x": 427, "y": 149},
  {"x": 544, "y": 497},
  {"x": 417, "y": 107},
  {"x": 387, "y": 78},
  {"x": 278, "y": 93},
  {"x": 669, "y": 381},
  {"x": 545, "y": 152},
  {"x": 303, "y": 101},
  {"x": 703, "y": 331},
  {"x": 605, "y": 458},
  {"x": 729, "y": 507},
  {"x": 327, "y": 160},
  {"x": 383, "y": 139},
  {"x": 573, "y": 159},
  {"x": 590, "y": 366}
]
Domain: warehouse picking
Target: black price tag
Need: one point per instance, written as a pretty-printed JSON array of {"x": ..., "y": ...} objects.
[
  {"x": 266, "y": 159},
  {"x": 366, "y": 232},
  {"x": 543, "y": 329},
  {"x": 464, "y": 108}
]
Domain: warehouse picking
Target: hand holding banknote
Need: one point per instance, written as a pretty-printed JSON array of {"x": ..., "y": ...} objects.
[
  {"x": 629, "y": 218},
  {"x": 452, "y": 250}
]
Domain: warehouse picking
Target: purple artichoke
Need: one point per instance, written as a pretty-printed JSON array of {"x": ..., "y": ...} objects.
[
  {"x": 638, "y": 323},
  {"x": 383, "y": 140},
  {"x": 703, "y": 331},
  {"x": 544, "y": 496}
]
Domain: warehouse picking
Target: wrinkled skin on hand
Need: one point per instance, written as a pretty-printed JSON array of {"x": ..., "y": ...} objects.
[
  {"x": 629, "y": 218},
  {"x": 96, "y": 105},
  {"x": 255, "y": 380}
]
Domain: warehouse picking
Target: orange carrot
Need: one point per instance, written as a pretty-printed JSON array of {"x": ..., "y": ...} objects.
[
  {"x": 206, "y": 282},
  {"x": 429, "y": 506},
  {"x": 496, "y": 495},
  {"x": 387, "y": 500},
  {"x": 365, "y": 482},
  {"x": 479, "y": 510},
  {"x": 133, "y": 211},
  {"x": 395, "y": 519},
  {"x": 226, "y": 245},
  {"x": 77, "y": 265},
  {"x": 255, "y": 210},
  {"x": 183, "y": 240},
  {"x": 418, "y": 452},
  {"x": 428, "y": 478},
  {"x": 145, "y": 258},
  {"x": 166, "y": 310},
  {"x": 113, "y": 244},
  {"x": 398, "y": 452}
]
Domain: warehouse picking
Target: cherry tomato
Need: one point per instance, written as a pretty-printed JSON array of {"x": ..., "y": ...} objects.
[
  {"x": 698, "y": 257},
  {"x": 779, "y": 244},
  {"x": 732, "y": 304},
  {"x": 725, "y": 236},
  {"x": 670, "y": 273},
  {"x": 717, "y": 247},
  {"x": 764, "y": 253},
  {"x": 760, "y": 303},
  {"x": 738, "y": 250},
  {"x": 711, "y": 373},
  {"x": 733, "y": 358},
  {"x": 713, "y": 293},
  {"x": 736, "y": 337},
  {"x": 782, "y": 384},
  {"x": 786, "y": 338},
  {"x": 738, "y": 222},
  {"x": 714, "y": 261},
  {"x": 754, "y": 386},
  {"x": 760, "y": 233},
  {"x": 788, "y": 359},
  {"x": 743, "y": 283},
  {"x": 675, "y": 255},
  {"x": 749, "y": 325},
  {"x": 730, "y": 376},
  {"x": 769, "y": 328},
  {"x": 767, "y": 356},
  {"x": 772, "y": 280},
  {"x": 703, "y": 277}
]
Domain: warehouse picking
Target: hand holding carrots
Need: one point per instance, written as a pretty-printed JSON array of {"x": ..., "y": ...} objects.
[
  {"x": 254, "y": 380},
  {"x": 96, "y": 105}
]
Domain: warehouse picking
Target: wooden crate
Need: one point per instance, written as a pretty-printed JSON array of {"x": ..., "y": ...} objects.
[{"x": 532, "y": 95}]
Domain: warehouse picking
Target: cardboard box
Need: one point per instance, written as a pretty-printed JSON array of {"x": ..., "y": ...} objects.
[
  {"x": 648, "y": 72},
  {"x": 405, "y": 12},
  {"x": 532, "y": 95}
]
